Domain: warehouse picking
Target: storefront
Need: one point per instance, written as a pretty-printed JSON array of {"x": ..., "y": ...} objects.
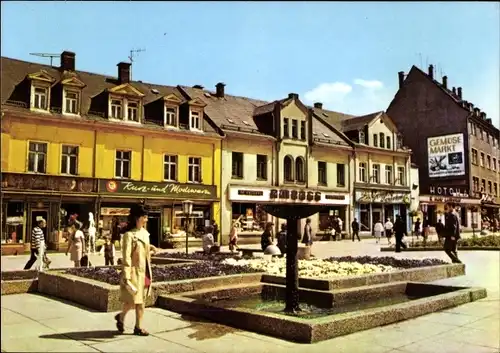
[
  {"x": 164, "y": 204},
  {"x": 27, "y": 198},
  {"x": 372, "y": 206},
  {"x": 468, "y": 209},
  {"x": 248, "y": 201}
]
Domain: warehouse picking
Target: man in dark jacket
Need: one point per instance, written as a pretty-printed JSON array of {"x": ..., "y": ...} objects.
[
  {"x": 399, "y": 233},
  {"x": 439, "y": 229},
  {"x": 282, "y": 239},
  {"x": 355, "y": 229},
  {"x": 451, "y": 233}
]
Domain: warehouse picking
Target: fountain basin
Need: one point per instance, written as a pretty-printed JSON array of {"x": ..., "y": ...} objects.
[{"x": 330, "y": 314}]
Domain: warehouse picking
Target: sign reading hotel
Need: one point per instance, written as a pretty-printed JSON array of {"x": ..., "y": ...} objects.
[
  {"x": 167, "y": 190},
  {"x": 446, "y": 155}
]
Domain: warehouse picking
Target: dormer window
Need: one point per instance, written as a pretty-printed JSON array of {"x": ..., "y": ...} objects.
[
  {"x": 133, "y": 111},
  {"x": 40, "y": 98},
  {"x": 171, "y": 116},
  {"x": 71, "y": 102},
  {"x": 362, "y": 137},
  {"x": 194, "y": 120},
  {"x": 116, "y": 107}
]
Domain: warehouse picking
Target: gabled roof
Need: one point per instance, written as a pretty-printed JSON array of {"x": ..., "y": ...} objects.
[
  {"x": 359, "y": 122},
  {"x": 335, "y": 119},
  {"x": 14, "y": 71}
]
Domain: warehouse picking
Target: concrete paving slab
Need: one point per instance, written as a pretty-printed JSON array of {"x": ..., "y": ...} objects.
[
  {"x": 143, "y": 345},
  {"x": 156, "y": 323},
  {"x": 340, "y": 345},
  {"x": 445, "y": 344},
  {"x": 387, "y": 337},
  {"x": 454, "y": 319},
  {"x": 486, "y": 338},
  {"x": 10, "y": 317}
]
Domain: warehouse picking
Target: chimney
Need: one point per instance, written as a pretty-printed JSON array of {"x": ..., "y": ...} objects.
[
  {"x": 431, "y": 71},
  {"x": 488, "y": 121},
  {"x": 459, "y": 92},
  {"x": 401, "y": 76},
  {"x": 219, "y": 88},
  {"x": 318, "y": 105},
  {"x": 67, "y": 61},
  {"x": 445, "y": 82},
  {"x": 198, "y": 86},
  {"x": 471, "y": 107},
  {"x": 293, "y": 96},
  {"x": 476, "y": 112},
  {"x": 483, "y": 115},
  {"x": 454, "y": 90},
  {"x": 123, "y": 72}
]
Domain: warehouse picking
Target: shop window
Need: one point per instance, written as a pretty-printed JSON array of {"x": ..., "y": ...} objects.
[
  {"x": 362, "y": 172},
  {"x": 261, "y": 167},
  {"x": 122, "y": 164},
  {"x": 382, "y": 140},
  {"x": 237, "y": 165},
  {"x": 194, "y": 170},
  {"x": 340, "y": 175},
  {"x": 376, "y": 173},
  {"x": 300, "y": 170},
  {"x": 169, "y": 168},
  {"x": 302, "y": 130},
  {"x": 401, "y": 176},
  {"x": 37, "y": 157},
  {"x": 286, "y": 127},
  {"x": 69, "y": 160},
  {"x": 288, "y": 168},
  {"x": 388, "y": 174},
  {"x": 13, "y": 222},
  {"x": 322, "y": 176},
  {"x": 295, "y": 128}
]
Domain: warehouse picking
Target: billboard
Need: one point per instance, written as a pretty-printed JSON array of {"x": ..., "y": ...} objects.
[{"x": 445, "y": 155}]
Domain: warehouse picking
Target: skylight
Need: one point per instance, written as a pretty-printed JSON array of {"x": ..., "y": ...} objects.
[
  {"x": 207, "y": 94},
  {"x": 246, "y": 122},
  {"x": 325, "y": 134},
  {"x": 315, "y": 133},
  {"x": 155, "y": 91},
  {"x": 325, "y": 115},
  {"x": 230, "y": 120}
]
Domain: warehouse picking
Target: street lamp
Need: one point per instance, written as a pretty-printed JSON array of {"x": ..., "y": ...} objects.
[{"x": 187, "y": 209}]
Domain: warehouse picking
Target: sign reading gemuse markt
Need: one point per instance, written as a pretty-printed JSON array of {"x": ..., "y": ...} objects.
[{"x": 446, "y": 155}]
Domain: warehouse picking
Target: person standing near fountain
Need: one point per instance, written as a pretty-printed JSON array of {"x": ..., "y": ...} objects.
[
  {"x": 266, "y": 238},
  {"x": 388, "y": 226},
  {"x": 355, "y": 229},
  {"x": 399, "y": 233},
  {"x": 307, "y": 237},
  {"x": 282, "y": 239},
  {"x": 76, "y": 243},
  {"x": 378, "y": 229},
  {"x": 135, "y": 284},
  {"x": 451, "y": 233}
]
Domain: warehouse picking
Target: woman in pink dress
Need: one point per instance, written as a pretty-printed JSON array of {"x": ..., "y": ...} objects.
[{"x": 76, "y": 243}]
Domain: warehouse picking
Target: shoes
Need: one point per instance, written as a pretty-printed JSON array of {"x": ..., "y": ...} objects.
[
  {"x": 119, "y": 324},
  {"x": 140, "y": 332}
]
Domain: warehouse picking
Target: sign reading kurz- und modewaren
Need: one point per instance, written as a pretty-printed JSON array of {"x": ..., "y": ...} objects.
[
  {"x": 446, "y": 155},
  {"x": 168, "y": 190}
]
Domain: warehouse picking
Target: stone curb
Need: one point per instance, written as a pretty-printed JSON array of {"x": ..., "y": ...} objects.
[{"x": 435, "y": 248}]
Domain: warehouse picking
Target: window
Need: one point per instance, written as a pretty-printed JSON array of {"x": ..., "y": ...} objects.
[
  {"x": 341, "y": 175},
  {"x": 475, "y": 183},
  {"x": 286, "y": 127},
  {"x": 261, "y": 167},
  {"x": 122, "y": 164},
  {"x": 471, "y": 127},
  {"x": 487, "y": 138},
  {"x": 194, "y": 170},
  {"x": 483, "y": 185},
  {"x": 495, "y": 189},
  {"x": 71, "y": 102},
  {"x": 322, "y": 177},
  {"x": 474, "y": 156},
  {"x": 170, "y": 116},
  {"x": 481, "y": 162},
  {"x": 169, "y": 168},
  {"x": 490, "y": 187},
  {"x": 401, "y": 176},
  {"x": 388, "y": 142},
  {"x": 69, "y": 160},
  {"x": 376, "y": 173},
  {"x": 299, "y": 170},
  {"x": 237, "y": 165},
  {"x": 362, "y": 172},
  {"x": 37, "y": 157},
  {"x": 399, "y": 142},
  {"x": 488, "y": 162},
  {"x": 302, "y": 130},
  {"x": 295, "y": 128},
  {"x": 362, "y": 138},
  {"x": 382, "y": 140},
  {"x": 116, "y": 109},
  {"x": 474, "y": 131},
  {"x": 133, "y": 111},
  {"x": 195, "y": 120},
  {"x": 40, "y": 98},
  {"x": 494, "y": 166},
  {"x": 375, "y": 140},
  {"x": 288, "y": 168},
  {"x": 388, "y": 174},
  {"x": 481, "y": 131}
]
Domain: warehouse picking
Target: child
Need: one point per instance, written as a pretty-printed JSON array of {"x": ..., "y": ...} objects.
[
  {"x": 233, "y": 238},
  {"x": 108, "y": 249}
]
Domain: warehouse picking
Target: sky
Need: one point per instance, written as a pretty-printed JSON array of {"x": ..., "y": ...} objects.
[{"x": 344, "y": 54}]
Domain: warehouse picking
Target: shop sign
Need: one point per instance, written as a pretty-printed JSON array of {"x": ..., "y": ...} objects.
[
  {"x": 372, "y": 196},
  {"x": 47, "y": 183},
  {"x": 440, "y": 199},
  {"x": 256, "y": 194},
  {"x": 114, "y": 211},
  {"x": 446, "y": 155},
  {"x": 169, "y": 190},
  {"x": 452, "y": 191}
]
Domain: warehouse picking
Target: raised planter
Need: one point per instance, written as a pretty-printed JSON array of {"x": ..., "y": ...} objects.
[
  {"x": 160, "y": 260},
  {"x": 437, "y": 248},
  {"x": 335, "y": 322},
  {"x": 421, "y": 274},
  {"x": 16, "y": 282},
  {"x": 106, "y": 297}
]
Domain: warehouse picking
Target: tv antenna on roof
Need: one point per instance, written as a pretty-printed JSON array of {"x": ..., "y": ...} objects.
[
  {"x": 134, "y": 53},
  {"x": 46, "y": 55}
]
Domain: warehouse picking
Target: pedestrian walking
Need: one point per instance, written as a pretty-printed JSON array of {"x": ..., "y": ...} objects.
[
  {"x": 378, "y": 229},
  {"x": 38, "y": 246},
  {"x": 208, "y": 239},
  {"x": 439, "y": 230},
  {"x": 91, "y": 230},
  {"x": 451, "y": 233},
  {"x": 399, "y": 233},
  {"x": 76, "y": 245},
  {"x": 417, "y": 228},
  {"x": 355, "y": 229},
  {"x": 109, "y": 251},
  {"x": 233, "y": 238},
  {"x": 215, "y": 231},
  {"x": 340, "y": 226},
  {"x": 135, "y": 284},
  {"x": 388, "y": 226},
  {"x": 307, "y": 238}
]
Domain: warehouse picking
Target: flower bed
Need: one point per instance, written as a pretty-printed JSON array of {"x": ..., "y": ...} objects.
[
  {"x": 483, "y": 241},
  {"x": 165, "y": 273},
  {"x": 389, "y": 261},
  {"x": 197, "y": 256}
]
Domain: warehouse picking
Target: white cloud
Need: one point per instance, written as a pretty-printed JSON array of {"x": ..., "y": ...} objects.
[
  {"x": 371, "y": 84},
  {"x": 328, "y": 92}
]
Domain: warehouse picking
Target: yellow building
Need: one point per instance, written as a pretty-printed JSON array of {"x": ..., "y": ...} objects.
[{"x": 80, "y": 143}]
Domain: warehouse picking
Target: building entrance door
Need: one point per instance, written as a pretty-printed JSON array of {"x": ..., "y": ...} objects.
[{"x": 153, "y": 227}]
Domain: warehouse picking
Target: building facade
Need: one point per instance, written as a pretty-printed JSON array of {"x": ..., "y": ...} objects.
[
  {"x": 454, "y": 144},
  {"x": 75, "y": 142}
]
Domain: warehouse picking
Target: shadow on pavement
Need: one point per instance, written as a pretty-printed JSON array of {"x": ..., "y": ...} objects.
[
  {"x": 65, "y": 301},
  {"x": 96, "y": 336},
  {"x": 204, "y": 329}
]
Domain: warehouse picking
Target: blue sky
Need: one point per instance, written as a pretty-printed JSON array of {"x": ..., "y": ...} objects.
[{"x": 344, "y": 54}]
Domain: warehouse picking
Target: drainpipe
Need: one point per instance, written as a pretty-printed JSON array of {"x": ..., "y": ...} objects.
[
  {"x": 142, "y": 159},
  {"x": 220, "y": 194},
  {"x": 94, "y": 157}
]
